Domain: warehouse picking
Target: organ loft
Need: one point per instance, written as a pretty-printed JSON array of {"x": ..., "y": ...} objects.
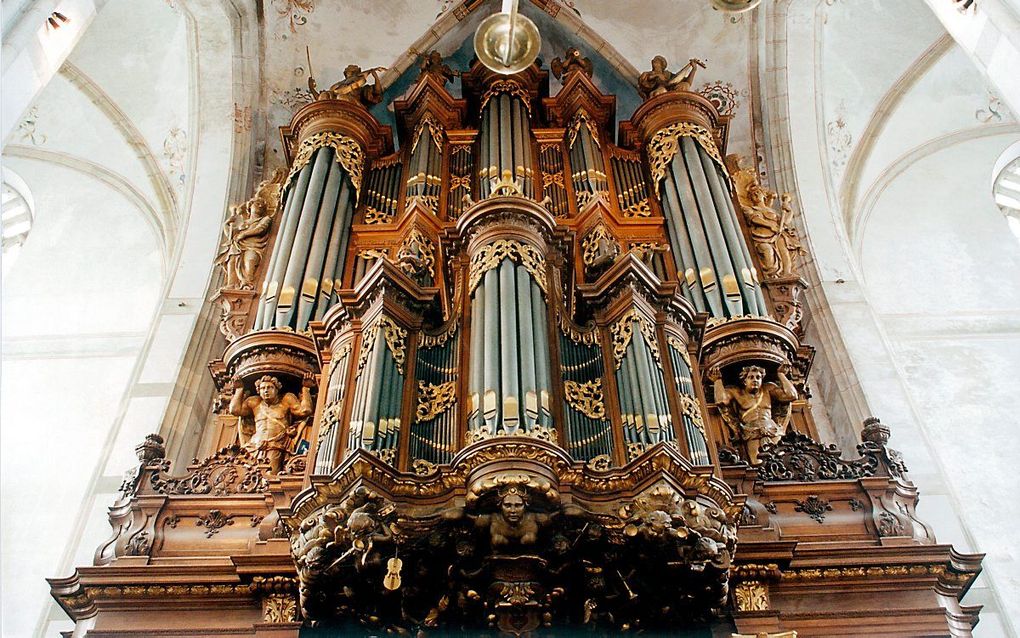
[{"x": 519, "y": 365}]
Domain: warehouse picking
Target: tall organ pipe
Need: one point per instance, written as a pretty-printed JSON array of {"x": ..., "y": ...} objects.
[
  {"x": 308, "y": 256},
  {"x": 711, "y": 257},
  {"x": 509, "y": 365},
  {"x": 505, "y": 144}
]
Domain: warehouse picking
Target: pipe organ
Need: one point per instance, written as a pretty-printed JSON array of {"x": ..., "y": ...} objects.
[{"x": 551, "y": 388}]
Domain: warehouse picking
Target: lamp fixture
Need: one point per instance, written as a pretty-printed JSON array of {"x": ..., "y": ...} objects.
[
  {"x": 735, "y": 6},
  {"x": 507, "y": 42}
]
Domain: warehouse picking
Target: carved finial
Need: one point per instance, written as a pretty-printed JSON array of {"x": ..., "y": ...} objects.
[
  {"x": 572, "y": 62},
  {"x": 151, "y": 449},
  {"x": 874, "y": 431}
]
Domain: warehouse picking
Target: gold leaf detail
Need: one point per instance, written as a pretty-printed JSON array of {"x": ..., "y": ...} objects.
[
  {"x": 586, "y": 397},
  {"x": 511, "y": 87},
  {"x": 436, "y": 132},
  {"x": 433, "y": 400},
  {"x": 751, "y": 595},
  {"x": 491, "y": 255},
  {"x": 623, "y": 330},
  {"x": 666, "y": 142},
  {"x": 348, "y": 154}
]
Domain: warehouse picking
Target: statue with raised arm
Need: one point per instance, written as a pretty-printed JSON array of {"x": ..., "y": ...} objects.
[
  {"x": 757, "y": 412},
  {"x": 432, "y": 64},
  {"x": 773, "y": 236},
  {"x": 660, "y": 80},
  {"x": 275, "y": 417},
  {"x": 354, "y": 86}
]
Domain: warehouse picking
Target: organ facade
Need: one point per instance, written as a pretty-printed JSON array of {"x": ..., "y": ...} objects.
[{"x": 532, "y": 371}]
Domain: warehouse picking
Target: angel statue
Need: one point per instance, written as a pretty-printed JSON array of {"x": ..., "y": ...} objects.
[
  {"x": 775, "y": 239},
  {"x": 758, "y": 412},
  {"x": 660, "y": 80},
  {"x": 246, "y": 233}
]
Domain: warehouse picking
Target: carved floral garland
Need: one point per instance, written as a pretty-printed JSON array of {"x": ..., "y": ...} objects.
[
  {"x": 433, "y": 400},
  {"x": 586, "y": 397},
  {"x": 511, "y": 87},
  {"x": 623, "y": 330}
]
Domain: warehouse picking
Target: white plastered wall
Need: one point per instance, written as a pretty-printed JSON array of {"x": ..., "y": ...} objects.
[
  {"x": 915, "y": 292},
  {"x": 141, "y": 138}
]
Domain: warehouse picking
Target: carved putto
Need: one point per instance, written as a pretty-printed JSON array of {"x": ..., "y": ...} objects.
[
  {"x": 276, "y": 418},
  {"x": 353, "y": 87},
  {"x": 660, "y": 80},
  {"x": 756, "y": 412}
]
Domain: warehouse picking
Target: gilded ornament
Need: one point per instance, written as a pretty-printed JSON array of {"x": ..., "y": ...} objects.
[
  {"x": 623, "y": 330},
  {"x": 587, "y": 335},
  {"x": 666, "y": 143},
  {"x": 751, "y": 595},
  {"x": 640, "y": 208},
  {"x": 349, "y": 155},
  {"x": 586, "y": 397},
  {"x": 491, "y": 255},
  {"x": 598, "y": 246},
  {"x": 279, "y": 608},
  {"x": 434, "y": 341},
  {"x": 581, "y": 117},
  {"x": 374, "y": 216},
  {"x": 511, "y": 87},
  {"x": 436, "y": 131},
  {"x": 417, "y": 257},
  {"x": 433, "y": 400},
  {"x": 692, "y": 410},
  {"x": 394, "y": 336}
]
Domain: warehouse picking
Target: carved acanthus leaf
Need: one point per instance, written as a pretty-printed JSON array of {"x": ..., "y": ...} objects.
[
  {"x": 349, "y": 155},
  {"x": 666, "y": 143},
  {"x": 491, "y": 255},
  {"x": 586, "y": 397}
]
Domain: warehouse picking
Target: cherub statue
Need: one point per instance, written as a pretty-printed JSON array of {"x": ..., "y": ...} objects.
[
  {"x": 275, "y": 427},
  {"x": 365, "y": 526},
  {"x": 660, "y": 80},
  {"x": 432, "y": 64},
  {"x": 572, "y": 62},
  {"x": 748, "y": 410},
  {"x": 354, "y": 86},
  {"x": 512, "y": 523}
]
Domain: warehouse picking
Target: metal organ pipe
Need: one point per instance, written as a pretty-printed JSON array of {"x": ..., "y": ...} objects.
[{"x": 710, "y": 252}]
